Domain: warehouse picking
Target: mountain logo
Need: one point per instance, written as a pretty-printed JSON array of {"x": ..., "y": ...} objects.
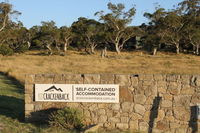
[{"x": 53, "y": 88}]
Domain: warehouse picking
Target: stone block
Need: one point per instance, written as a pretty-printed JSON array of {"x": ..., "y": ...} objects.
[
  {"x": 39, "y": 78},
  {"x": 73, "y": 78},
  {"x": 168, "y": 97},
  {"x": 29, "y": 79},
  {"x": 59, "y": 79},
  {"x": 87, "y": 113},
  {"x": 48, "y": 79},
  {"x": 146, "y": 77},
  {"x": 114, "y": 119},
  {"x": 107, "y": 78},
  {"x": 174, "y": 88},
  {"x": 195, "y": 98},
  {"x": 197, "y": 81},
  {"x": 135, "y": 116},
  {"x": 91, "y": 78},
  {"x": 103, "y": 118},
  {"x": 127, "y": 106},
  {"x": 125, "y": 94},
  {"x": 116, "y": 114},
  {"x": 161, "y": 125},
  {"x": 174, "y": 125},
  {"x": 122, "y": 80},
  {"x": 181, "y": 113},
  {"x": 101, "y": 112},
  {"x": 187, "y": 90},
  {"x": 182, "y": 100},
  {"x": 134, "y": 81},
  {"x": 115, "y": 107},
  {"x": 124, "y": 119},
  {"x": 161, "y": 115},
  {"x": 150, "y": 90},
  {"x": 139, "y": 109},
  {"x": 162, "y": 89},
  {"x": 109, "y": 125},
  {"x": 166, "y": 104},
  {"x": 28, "y": 98},
  {"x": 173, "y": 78},
  {"x": 159, "y": 77},
  {"x": 185, "y": 79},
  {"x": 143, "y": 126},
  {"x": 29, "y": 107},
  {"x": 122, "y": 126},
  {"x": 139, "y": 99},
  {"x": 133, "y": 125},
  {"x": 29, "y": 88},
  {"x": 146, "y": 115}
]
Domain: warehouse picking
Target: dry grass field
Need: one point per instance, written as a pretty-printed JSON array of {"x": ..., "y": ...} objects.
[{"x": 33, "y": 62}]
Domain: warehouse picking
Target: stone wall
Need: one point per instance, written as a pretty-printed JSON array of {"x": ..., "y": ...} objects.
[{"x": 154, "y": 103}]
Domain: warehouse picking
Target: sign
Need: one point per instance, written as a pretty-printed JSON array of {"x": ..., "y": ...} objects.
[{"x": 99, "y": 93}]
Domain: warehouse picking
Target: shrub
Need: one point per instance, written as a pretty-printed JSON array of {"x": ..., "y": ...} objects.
[
  {"x": 67, "y": 118},
  {"x": 6, "y": 50},
  {"x": 22, "y": 48}
]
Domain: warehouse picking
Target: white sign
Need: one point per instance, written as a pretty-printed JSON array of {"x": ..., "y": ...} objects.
[{"x": 100, "y": 93}]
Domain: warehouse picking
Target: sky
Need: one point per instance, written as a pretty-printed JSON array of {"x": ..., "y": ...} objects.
[{"x": 65, "y": 12}]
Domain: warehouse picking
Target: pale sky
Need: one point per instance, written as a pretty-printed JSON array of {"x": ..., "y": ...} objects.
[{"x": 65, "y": 12}]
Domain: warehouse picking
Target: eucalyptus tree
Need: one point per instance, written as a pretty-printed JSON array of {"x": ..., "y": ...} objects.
[
  {"x": 88, "y": 33},
  {"x": 66, "y": 37},
  {"x": 117, "y": 31},
  {"x": 156, "y": 30},
  {"x": 47, "y": 35},
  {"x": 190, "y": 10},
  {"x": 174, "y": 25},
  {"x": 6, "y": 12}
]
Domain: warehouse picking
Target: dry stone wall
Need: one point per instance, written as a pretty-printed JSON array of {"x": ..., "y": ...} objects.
[{"x": 150, "y": 103}]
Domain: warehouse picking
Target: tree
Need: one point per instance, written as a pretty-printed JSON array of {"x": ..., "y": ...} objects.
[
  {"x": 66, "y": 37},
  {"x": 174, "y": 25},
  {"x": 89, "y": 33},
  {"x": 5, "y": 13},
  {"x": 116, "y": 23},
  {"x": 190, "y": 10},
  {"x": 156, "y": 30}
]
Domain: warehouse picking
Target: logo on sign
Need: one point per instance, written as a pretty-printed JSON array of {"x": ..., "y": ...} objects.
[{"x": 53, "y": 93}]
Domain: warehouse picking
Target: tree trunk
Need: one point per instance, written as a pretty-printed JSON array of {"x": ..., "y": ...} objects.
[
  {"x": 197, "y": 50},
  {"x": 177, "y": 49},
  {"x": 92, "y": 49},
  {"x": 155, "y": 50},
  {"x": 104, "y": 52},
  {"x": 49, "y": 48},
  {"x": 65, "y": 46},
  {"x": 117, "y": 48}
]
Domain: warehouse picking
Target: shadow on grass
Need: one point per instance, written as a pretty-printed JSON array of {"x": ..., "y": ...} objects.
[
  {"x": 12, "y": 107},
  {"x": 11, "y": 97},
  {"x": 12, "y": 82}
]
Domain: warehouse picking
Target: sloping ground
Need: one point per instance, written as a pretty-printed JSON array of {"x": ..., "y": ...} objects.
[
  {"x": 33, "y": 62},
  {"x": 12, "y": 109}
]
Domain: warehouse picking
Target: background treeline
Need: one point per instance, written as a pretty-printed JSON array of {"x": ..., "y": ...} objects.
[{"x": 175, "y": 30}]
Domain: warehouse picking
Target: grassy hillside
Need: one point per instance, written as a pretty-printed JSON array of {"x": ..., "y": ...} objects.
[{"x": 76, "y": 62}]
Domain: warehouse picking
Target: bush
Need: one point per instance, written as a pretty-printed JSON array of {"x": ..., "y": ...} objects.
[
  {"x": 22, "y": 48},
  {"x": 6, "y": 50},
  {"x": 67, "y": 118}
]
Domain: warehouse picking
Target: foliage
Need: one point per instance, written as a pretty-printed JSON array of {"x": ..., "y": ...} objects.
[
  {"x": 67, "y": 118},
  {"x": 6, "y": 50},
  {"x": 116, "y": 22}
]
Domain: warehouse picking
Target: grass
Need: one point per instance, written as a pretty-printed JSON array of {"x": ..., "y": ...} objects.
[{"x": 75, "y": 62}]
